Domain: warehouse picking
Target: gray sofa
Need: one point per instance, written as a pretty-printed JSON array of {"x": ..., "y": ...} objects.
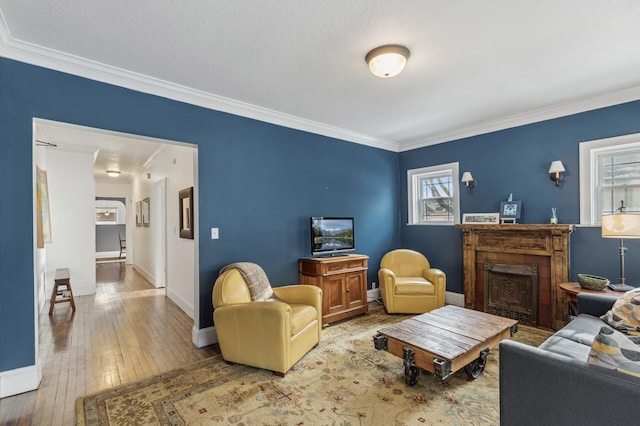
[{"x": 554, "y": 384}]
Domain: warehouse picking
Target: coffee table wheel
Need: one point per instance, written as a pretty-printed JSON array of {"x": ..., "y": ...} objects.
[
  {"x": 411, "y": 371},
  {"x": 476, "y": 367}
]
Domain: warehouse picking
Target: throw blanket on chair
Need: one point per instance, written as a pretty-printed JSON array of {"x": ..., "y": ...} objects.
[{"x": 256, "y": 279}]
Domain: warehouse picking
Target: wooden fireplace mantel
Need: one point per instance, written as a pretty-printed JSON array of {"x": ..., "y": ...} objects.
[{"x": 550, "y": 241}]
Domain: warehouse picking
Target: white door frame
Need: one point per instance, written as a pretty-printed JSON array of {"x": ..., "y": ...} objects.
[{"x": 161, "y": 233}]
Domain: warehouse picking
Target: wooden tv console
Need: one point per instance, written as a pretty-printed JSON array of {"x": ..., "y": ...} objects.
[{"x": 343, "y": 280}]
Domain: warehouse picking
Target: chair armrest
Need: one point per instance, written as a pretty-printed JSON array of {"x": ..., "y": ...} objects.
[
  {"x": 539, "y": 387},
  {"x": 300, "y": 294},
  {"x": 436, "y": 277},
  {"x": 595, "y": 304}
]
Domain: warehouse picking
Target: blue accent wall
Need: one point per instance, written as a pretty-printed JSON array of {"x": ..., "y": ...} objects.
[
  {"x": 259, "y": 183},
  {"x": 515, "y": 161}
]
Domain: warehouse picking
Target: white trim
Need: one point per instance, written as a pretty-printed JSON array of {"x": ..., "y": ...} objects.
[
  {"x": 588, "y": 151},
  {"x": 20, "y": 380},
  {"x": 204, "y": 337},
  {"x": 451, "y": 298},
  {"x": 614, "y": 98},
  {"x": 60, "y": 61},
  {"x": 373, "y": 294},
  {"x": 48, "y": 58}
]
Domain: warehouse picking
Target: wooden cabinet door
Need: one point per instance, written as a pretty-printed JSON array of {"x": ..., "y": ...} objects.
[
  {"x": 334, "y": 294},
  {"x": 355, "y": 290}
]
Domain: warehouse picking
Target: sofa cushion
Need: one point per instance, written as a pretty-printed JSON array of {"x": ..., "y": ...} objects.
[
  {"x": 625, "y": 313},
  {"x": 414, "y": 286},
  {"x": 613, "y": 350},
  {"x": 301, "y": 316},
  {"x": 574, "y": 339}
]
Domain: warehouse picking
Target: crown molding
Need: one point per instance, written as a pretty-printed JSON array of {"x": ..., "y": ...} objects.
[
  {"x": 48, "y": 58},
  {"x": 63, "y": 62},
  {"x": 535, "y": 116}
]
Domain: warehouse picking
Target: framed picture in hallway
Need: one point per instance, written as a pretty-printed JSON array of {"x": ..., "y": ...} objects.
[
  {"x": 139, "y": 213},
  {"x": 185, "y": 202},
  {"x": 146, "y": 210}
]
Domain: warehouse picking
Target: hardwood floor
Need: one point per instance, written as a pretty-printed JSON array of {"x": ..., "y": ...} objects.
[{"x": 127, "y": 331}]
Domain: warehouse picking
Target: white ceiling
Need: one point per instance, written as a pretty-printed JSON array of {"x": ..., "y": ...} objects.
[{"x": 475, "y": 66}]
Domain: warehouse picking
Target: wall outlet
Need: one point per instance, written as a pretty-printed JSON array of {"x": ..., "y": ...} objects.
[{"x": 373, "y": 285}]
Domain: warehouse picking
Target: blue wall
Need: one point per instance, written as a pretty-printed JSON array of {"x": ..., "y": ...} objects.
[
  {"x": 258, "y": 183},
  {"x": 516, "y": 161}
]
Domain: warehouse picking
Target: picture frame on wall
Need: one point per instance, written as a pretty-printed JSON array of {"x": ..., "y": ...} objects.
[
  {"x": 185, "y": 203},
  {"x": 481, "y": 218},
  {"x": 146, "y": 211},
  {"x": 139, "y": 214}
]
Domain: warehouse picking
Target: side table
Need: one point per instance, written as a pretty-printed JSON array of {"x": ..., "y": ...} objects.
[{"x": 571, "y": 290}]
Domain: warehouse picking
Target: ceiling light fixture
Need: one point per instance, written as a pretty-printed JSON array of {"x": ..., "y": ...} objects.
[
  {"x": 113, "y": 173},
  {"x": 387, "y": 61}
]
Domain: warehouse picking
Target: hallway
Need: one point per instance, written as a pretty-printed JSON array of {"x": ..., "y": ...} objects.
[{"x": 125, "y": 332}]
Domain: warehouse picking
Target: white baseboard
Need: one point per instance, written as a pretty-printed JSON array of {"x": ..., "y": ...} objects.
[
  {"x": 204, "y": 336},
  {"x": 20, "y": 380},
  {"x": 181, "y": 302},
  {"x": 450, "y": 298},
  {"x": 106, "y": 254},
  {"x": 373, "y": 294},
  {"x": 146, "y": 274}
]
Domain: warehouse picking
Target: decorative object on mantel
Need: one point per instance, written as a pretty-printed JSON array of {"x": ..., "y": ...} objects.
[
  {"x": 554, "y": 217},
  {"x": 556, "y": 171},
  {"x": 510, "y": 210},
  {"x": 621, "y": 225},
  {"x": 481, "y": 218},
  {"x": 468, "y": 180},
  {"x": 592, "y": 282}
]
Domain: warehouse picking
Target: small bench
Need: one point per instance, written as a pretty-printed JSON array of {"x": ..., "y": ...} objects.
[{"x": 62, "y": 292}]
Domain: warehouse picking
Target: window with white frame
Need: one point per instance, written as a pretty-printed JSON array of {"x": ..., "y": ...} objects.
[
  {"x": 433, "y": 195},
  {"x": 609, "y": 176}
]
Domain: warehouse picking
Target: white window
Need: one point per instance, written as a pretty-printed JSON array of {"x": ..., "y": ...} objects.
[
  {"x": 609, "y": 176},
  {"x": 433, "y": 195}
]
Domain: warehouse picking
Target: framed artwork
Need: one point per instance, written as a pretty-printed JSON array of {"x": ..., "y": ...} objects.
[
  {"x": 146, "y": 210},
  {"x": 481, "y": 218},
  {"x": 510, "y": 210},
  {"x": 185, "y": 203},
  {"x": 139, "y": 213},
  {"x": 43, "y": 222}
]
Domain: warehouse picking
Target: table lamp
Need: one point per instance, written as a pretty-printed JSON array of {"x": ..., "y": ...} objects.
[{"x": 621, "y": 225}]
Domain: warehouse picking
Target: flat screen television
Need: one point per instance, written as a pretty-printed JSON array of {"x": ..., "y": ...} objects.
[{"x": 332, "y": 236}]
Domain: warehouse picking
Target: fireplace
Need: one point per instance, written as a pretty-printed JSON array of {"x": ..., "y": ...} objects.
[
  {"x": 511, "y": 290},
  {"x": 537, "y": 259}
]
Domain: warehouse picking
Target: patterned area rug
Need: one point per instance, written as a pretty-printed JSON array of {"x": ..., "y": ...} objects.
[{"x": 343, "y": 381}]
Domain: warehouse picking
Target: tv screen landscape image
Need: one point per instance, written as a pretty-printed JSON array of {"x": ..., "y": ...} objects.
[{"x": 331, "y": 236}]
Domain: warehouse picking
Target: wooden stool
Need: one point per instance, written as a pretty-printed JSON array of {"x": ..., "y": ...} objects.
[{"x": 59, "y": 295}]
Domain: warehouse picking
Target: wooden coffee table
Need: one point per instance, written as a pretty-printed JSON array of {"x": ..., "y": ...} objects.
[{"x": 445, "y": 340}]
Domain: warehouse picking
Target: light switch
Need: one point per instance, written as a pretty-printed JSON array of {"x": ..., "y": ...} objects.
[{"x": 214, "y": 234}]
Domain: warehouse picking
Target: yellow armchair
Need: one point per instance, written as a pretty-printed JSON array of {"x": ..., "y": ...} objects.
[
  {"x": 408, "y": 283},
  {"x": 273, "y": 334}
]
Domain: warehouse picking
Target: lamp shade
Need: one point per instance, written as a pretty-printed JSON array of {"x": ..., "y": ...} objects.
[
  {"x": 556, "y": 167},
  {"x": 620, "y": 225},
  {"x": 466, "y": 177},
  {"x": 387, "y": 61}
]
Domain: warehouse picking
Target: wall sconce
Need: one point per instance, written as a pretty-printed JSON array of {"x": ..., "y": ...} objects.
[
  {"x": 467, "y": 179},
  {"x": 556, "y": 171}
]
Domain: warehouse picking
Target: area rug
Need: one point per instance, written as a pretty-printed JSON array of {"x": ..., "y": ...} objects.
[{"x": 343, "y": 381}]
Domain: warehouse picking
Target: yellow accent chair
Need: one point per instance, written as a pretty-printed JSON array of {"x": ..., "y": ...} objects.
[
  {"x": 273, "y": 334},
  {"x": 408, "y": 283}
]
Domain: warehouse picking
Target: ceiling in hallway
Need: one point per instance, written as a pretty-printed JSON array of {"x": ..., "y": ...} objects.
[{"x": 475, "y": 66}]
